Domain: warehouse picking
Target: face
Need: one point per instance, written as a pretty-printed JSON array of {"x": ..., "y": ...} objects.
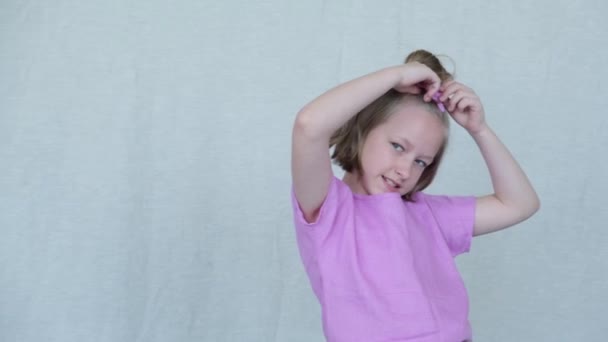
[{"x": 396, "y": 152}]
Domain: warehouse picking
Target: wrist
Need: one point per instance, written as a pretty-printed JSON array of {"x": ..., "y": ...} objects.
[{"x": 482, "y": 131}]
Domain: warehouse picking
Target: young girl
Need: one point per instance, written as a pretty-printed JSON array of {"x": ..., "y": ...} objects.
[{"x": 379, "y": 253}]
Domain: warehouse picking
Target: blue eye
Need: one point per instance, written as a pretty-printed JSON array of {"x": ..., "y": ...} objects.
[
  {"x": 398, "y": 147},
  {"x": 421, "y": 163}
]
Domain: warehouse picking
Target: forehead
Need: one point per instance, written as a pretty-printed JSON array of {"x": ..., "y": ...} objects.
[
  {"x": 416, "y": 123},
  {"x": 411, "y": 115}
]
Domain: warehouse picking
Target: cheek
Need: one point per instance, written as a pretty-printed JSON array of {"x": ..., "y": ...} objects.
[
  {"x": 375, "y": 158},
  {"x": 385, "y": 160}
]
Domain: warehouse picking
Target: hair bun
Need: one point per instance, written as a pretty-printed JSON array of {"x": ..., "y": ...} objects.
[{"x": 431, "y": 61}]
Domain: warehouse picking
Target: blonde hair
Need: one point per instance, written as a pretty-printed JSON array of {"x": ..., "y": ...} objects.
[{"x": 348, "y": 140}]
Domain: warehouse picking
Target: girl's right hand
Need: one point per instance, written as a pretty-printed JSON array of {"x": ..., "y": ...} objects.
[{"x": 417, "y": 78}]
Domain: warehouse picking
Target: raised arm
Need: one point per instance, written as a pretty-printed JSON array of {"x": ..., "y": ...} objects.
[
  {"x": 514, "y": 198},
  {"x": 318, "y": 120}
]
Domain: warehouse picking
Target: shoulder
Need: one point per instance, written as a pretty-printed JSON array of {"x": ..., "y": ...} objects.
[
  {"x": 454, "y": 216},
  {"x": 338, "y": 196}
]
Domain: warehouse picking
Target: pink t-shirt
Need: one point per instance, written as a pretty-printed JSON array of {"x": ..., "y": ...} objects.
[{"x": 383, "y": 269}]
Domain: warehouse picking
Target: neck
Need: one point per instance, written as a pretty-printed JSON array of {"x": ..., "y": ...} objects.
[{"x": 352, "y": 179}]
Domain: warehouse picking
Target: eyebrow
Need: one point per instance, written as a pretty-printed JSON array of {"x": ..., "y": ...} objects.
[{"x": 408, "y": 143}]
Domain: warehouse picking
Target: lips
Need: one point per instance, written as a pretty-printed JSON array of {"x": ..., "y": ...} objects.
[{"x": 391, "y": 184}]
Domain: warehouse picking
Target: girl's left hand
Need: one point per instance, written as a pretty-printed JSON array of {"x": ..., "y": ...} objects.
[{"x": 463, "y": 105}]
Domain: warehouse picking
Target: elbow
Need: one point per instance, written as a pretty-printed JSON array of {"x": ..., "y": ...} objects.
[
  {"x": 307, "y": 126},
  {"x": 303, "y": 121},
  {"x": 531, "y": 207},
  {"x": 536, "y": 204},
  {"x": 523, "y": 207}
]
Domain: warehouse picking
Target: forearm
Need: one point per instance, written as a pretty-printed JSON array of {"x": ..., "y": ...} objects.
[
  {"x": 328, "y": 112},
  {"x": 511, "y": 185}
]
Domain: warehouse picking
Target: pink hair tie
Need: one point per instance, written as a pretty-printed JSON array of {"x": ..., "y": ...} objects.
[{"x": 439, "y": 103}]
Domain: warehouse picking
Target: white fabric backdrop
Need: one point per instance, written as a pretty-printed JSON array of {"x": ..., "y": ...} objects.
[{"x": 144, "y": 161}]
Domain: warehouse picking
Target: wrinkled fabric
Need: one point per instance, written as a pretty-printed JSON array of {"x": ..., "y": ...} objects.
[{"x": 383, "y": 269}]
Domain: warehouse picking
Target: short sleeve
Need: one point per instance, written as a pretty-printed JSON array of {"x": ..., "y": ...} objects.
[
  {"x": 455, "y": 216},
  {"x": 310, "y": 236},
  {"x": 326, "y": 212}
]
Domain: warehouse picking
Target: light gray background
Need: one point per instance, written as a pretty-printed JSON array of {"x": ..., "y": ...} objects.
[{"x": 145, "y": 146}]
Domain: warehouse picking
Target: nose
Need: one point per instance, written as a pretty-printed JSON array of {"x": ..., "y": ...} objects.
[{"x": 403, "y": 170}]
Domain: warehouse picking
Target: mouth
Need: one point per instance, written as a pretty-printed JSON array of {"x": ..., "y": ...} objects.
[{"x": 391, "y": 185}]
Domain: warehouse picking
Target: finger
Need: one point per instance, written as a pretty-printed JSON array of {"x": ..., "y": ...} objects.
[
  {"x": 465, "y": 103},
  {"x": 432, "y": 87},
  {"x": 414, "y": 89},
  {"x": 451, "y": 84},
  {"x": 446, "y": 84},
  {"x": 454, "y": 98},
  {"x": 452, "y": 88}
]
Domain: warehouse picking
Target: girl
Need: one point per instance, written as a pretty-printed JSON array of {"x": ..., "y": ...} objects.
[{"x": 379, "y": 253}]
